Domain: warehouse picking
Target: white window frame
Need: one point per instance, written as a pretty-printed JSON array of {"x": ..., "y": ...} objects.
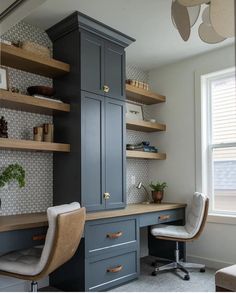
[{"x": 203, "y": 152}]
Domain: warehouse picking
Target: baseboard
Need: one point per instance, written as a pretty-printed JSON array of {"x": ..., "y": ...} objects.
[
  {"x": 9, "y": 284},
  {"x": 210, "y": 263}
]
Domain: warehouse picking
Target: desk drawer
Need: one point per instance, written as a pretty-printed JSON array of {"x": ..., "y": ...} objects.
[
  {"x": 161, "y": 217},
  {"x": 110, "y": 235},
  {"x": 109, "y": 272}
]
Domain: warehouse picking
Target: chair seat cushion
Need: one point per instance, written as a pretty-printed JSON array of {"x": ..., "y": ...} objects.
[
  {"x": 226, "y": 278},
  {"x": 23, "y": 262},
  {"x": 170, "y": 231}
]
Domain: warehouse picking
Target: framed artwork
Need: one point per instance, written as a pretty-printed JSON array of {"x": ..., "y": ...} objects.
[
  {"x": 134, "y": 111},
  {"x": 3, "y": 78}
]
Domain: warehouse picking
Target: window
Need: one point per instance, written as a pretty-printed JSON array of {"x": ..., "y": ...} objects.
[{"x": 219, "y": 140}]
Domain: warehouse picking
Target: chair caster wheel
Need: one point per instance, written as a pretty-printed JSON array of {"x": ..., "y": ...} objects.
[
  {"x": 202, "y": 270},
  {"x": 186, "y": 277},
  {"x": 154, "y": 273}
]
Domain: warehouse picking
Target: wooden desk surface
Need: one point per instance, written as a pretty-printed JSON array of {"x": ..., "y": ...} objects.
[{"x": 34, "y": 220}]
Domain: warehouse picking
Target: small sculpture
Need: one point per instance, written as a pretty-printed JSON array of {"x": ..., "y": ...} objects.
[{"x": 3, "y": 128}]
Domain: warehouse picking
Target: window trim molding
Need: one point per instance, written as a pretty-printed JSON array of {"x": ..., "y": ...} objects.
[{"x": 201, "y": 149}]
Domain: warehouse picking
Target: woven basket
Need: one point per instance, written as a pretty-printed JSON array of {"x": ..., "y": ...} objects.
[{"x": 36, "y": 49}]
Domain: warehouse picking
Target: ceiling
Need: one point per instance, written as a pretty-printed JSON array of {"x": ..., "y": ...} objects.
[{"x": 148, "y": 21}]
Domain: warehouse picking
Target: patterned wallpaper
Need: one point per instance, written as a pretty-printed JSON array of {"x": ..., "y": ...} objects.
[
  {"x": 137, "y": 168},
  {"x": 37, "y": 194}
]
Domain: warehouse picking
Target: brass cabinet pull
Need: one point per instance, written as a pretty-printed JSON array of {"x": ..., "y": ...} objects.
[
  {"x": 106, "y": 88},
  {"x": 114, "y": 235},
  {"x": 106, "y": 195},
  {"x": 164, "y": 217},
  {"x": 115, "y": 270}
]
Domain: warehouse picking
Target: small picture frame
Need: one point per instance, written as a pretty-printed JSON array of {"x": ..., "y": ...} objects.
[
  {"x": 134, "y": 111},
  {"x": 3, "y": 78}
]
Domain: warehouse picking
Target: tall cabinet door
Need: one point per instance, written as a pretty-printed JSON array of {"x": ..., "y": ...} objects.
[
  {"x": 114, "y": 70},
  {"x": 92, "y": 63},
  {"x": 115, "y": 153},
  {"x": 92, "y": 151}
]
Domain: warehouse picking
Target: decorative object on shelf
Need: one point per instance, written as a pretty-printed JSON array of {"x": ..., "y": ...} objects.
[
  {"x": 158, "y": 191},
  {"x": 143, "y": 147},
  {"x": 5, "y": 42},
  {"x": 35, "y": 48},
  {"x": 48, "y": 132},
  {"x": 151, "y": 120},
  {"x": 138, "y": 84},
  {"x": 41, "y": 90},
  {"x": 14, "y": 90},
  {"x": 139, "y": 186},
  {"x": 217, "y": 19},
  {"x": 10, "y": 173},
  {"x": 134, "y": 111},
  {"x": 3, "y": 78},
  {"x": 38, "y": 133},
  {"x": 3, "y": 128}
]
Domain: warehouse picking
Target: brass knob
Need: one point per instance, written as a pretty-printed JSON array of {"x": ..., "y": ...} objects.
[
  {"x": 106, "y": 195},
  {"x": 106, "y": 88}
]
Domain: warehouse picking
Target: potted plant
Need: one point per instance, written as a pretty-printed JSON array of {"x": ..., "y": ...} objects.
[
  {"x": 10, "y": 173},
  {"x": 158, "y": 191}
]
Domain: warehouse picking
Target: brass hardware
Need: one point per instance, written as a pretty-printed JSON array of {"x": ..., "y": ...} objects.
[
  {"x": 115, "y": 270},
  {"x": 106, "y": 88},
  {"x": 106, "y": 195},
  {"x": 114, "y": 235},
  {"x": 164, "y": 217}
]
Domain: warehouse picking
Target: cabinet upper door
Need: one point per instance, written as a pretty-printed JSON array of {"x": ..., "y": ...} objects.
[
  {"x": 92, "y": 63},
  {"x": 115, "y": 153},
  {"x": 114, "y": 70},
  {"x": 92, "y": 151}
]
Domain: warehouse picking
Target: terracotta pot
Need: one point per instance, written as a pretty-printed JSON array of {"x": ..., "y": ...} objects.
[{"x": 157, "y": 196}]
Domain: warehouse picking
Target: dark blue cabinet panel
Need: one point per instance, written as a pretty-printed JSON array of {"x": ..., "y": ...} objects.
[
  {"x": 92, "y": 151},
  {"x": 115, "y": 153},
  {"x": 114, "y": 70},
  {"x": 92, "y": 63}
]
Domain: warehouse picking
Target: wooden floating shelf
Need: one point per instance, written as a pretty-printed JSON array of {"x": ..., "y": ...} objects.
[
  {"x": 145, "y": 155},
  {"x": 145, "y": 126},
  {"x": 143, "y": 96},
  {"x": 31, "y": 145},
  {"x": 27, "y": 61},
  {"x": 31, "y": 104}
]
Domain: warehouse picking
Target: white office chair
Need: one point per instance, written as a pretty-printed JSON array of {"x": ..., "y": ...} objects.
[
  {"x": 195, "y": 223},
  {"x": 66, "y": 225}
]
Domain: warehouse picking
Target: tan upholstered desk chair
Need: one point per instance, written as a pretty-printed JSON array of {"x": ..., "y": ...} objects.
[
  {"x": 193, "y": 228},
  {"x": 66, "y": 225}
]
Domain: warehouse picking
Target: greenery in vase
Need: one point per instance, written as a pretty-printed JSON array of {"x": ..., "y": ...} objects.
[
  {"x": 158, "y": 186},
  {"x": 13, "y": 172}
]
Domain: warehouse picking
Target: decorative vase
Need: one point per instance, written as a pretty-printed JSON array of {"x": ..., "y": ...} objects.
[{"x": 157, "y": 196}]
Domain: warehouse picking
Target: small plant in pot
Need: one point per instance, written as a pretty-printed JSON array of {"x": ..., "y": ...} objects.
[
  {"x": 10, "y": 173},
  {"x": 158, "y": 191}
]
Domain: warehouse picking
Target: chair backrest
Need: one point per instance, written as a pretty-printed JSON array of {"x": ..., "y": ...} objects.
[
  {"x": 197, "y": 215},
  {"x": 66, "y": 225}
]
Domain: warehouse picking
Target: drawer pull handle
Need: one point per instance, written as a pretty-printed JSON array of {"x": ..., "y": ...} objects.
[
  {"x": 115, "y": 270},
  {"x": 114, "y": 235},
  {"x": 164, "y": 217},
  {"x": 38, "y": 237}
]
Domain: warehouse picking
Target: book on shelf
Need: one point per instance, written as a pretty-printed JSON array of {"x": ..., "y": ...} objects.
[{"x": 46, "y": 98}]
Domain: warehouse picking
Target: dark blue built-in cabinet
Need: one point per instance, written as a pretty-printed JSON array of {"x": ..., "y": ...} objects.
[{"x": 93, "y": 173}]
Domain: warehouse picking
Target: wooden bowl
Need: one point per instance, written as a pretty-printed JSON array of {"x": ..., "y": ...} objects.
[{"x": 41, "y": 90}]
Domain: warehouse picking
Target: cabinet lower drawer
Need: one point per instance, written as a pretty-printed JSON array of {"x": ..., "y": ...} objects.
[
  {"x": 106, "y": 273},
  {"x": 110, "y": 235},
  {"x": 161, "y": 217}
]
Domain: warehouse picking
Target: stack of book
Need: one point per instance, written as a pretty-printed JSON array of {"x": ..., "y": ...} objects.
[{"x": 143, "y": 147}]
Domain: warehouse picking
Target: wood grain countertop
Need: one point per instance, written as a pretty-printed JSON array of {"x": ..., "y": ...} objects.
[{"x": 34, "y": 220}]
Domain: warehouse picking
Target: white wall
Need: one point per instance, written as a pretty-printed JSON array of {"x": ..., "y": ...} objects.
[{"x": 176, "y": 81}]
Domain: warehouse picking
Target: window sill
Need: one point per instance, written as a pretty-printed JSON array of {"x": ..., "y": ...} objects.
[{"x": 221, "y": 219}]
